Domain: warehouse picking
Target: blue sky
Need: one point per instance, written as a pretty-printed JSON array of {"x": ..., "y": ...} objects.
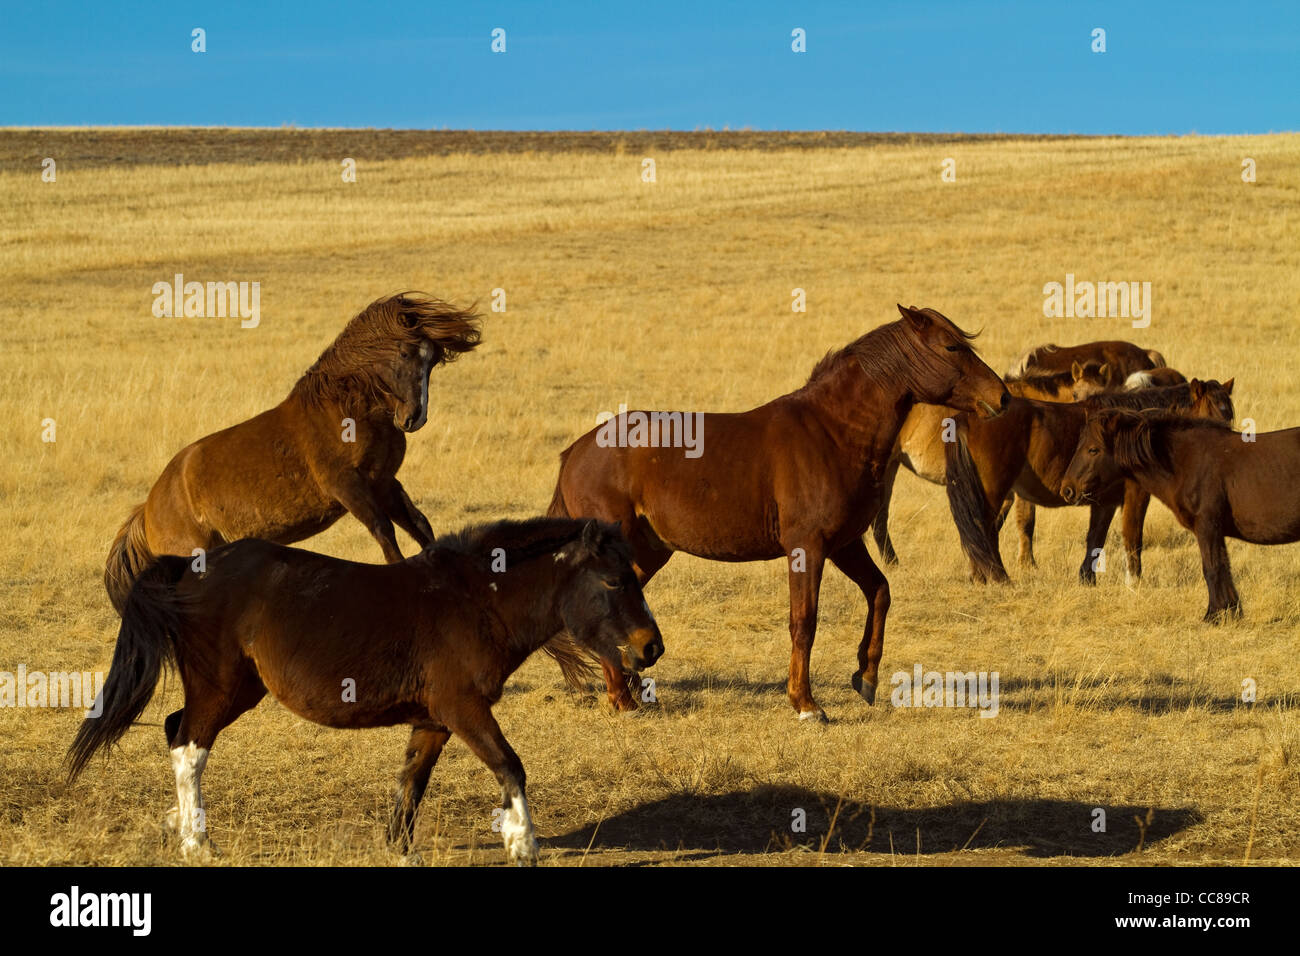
[{"x": 914, "y": 66}]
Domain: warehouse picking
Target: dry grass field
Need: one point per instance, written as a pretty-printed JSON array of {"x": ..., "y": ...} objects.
[{"x": 675, "y": 294}]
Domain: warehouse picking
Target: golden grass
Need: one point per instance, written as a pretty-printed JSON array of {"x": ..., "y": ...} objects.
[{"x": 675, "y": 294}]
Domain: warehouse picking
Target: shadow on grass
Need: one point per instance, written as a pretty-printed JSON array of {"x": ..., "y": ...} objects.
[
  {"x": 1169, "y": 694},
  {"x": 759, "y": 821}
]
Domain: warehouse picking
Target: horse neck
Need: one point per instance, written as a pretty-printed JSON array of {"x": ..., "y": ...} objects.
[
  {"x": 340, "y": 399},
  {"x": 863, "y": 412},
  {"x": 527, "y": 602}
]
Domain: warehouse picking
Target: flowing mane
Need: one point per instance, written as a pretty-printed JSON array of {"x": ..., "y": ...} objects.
[
  {"x": 348, "y": 366},
  {"x": 889, "y": 351},
  {"x": 1139, "y": 440}
]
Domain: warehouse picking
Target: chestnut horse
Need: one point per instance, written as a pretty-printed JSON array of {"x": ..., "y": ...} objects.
[
  {"x": 1124, "y": 358},
  {"x": 797, "y": 478},
  {"x": 428, "y": 642},
  {"x": 333, "y": 446},
  {"x": 1217, "y": 482},
  {"x": 1027, "y": 450},
  {"x": 920, "y": 451}
]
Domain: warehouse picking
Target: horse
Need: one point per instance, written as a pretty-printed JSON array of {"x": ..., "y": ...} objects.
[
  {"x": 1124, "y": 358},
  {"x": 1218, "y": 483},
  {"x": 428, "y": 642},
  {"x": 919, "y": 451},
  {"x": 1026, "y": 450},
  {"x": 797, "y": 478},
  {"x": 334, "y": 445}
]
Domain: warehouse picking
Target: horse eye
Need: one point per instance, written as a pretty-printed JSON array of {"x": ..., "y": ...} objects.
[
  {"x": 956, "y": 348},
  {"x": 612, "y": 585},
  {"x": 1094, "y": 451}
]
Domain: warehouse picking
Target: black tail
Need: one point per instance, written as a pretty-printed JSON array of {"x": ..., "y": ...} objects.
[
  {"x": 970, "y": 511},
  {"x": 151, "y": 622}
]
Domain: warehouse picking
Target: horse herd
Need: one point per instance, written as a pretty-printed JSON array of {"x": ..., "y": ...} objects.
[{"x": 204, "y": 583}]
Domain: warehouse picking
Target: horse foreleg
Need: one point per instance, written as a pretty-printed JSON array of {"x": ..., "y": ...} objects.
[
  {"x": 854, "y": 560},
  {"x": 404, "y": 513},
  {"x": 623, "y": 687},
  {"x": 355, "y": 494},
  {"x": 1224, "y": 600},
  {"x": 806, "y": 565},
  {"x": 1026, "y": 516},
  {"x": 475, "y": 725},
  {"x": 1099, "y": 519},
  {"x": 1136, "y": 502},
  {"x": 422, "y": 752}
]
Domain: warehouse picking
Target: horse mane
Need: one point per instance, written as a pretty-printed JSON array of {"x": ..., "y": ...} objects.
[
  {"x": 1167, "y": 397},
  {"x": 1140, "y": 439},
  {"x": 1043, "y": 381},
  {"x": 348, "y": 367},
  {"x": 1163, "y": 396},
  {"x": 526, "y": 539},
  {"x": 888, "y": 350},
  {"x": 523, "y": 541}
]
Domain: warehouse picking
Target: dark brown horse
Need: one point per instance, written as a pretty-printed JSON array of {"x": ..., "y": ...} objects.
[
  {"x": 1218, "y": 483},
  {"x": 1124, "y": 358},
  {"x": 428, "y": 642},
  {"x": 333, "y": 446},
  {"x": 1027, "y": 450},
  {"x": 797, "y": 478}
]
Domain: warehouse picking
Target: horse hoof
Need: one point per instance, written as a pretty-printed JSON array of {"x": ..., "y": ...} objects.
[
  {"x": 866, "y": 691},
  {"x": 818, "y": 715},
  {"x": 524, "y": 852},
  {"x": 195, "y": 850}
]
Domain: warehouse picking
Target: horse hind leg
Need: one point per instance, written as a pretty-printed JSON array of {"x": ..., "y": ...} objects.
[
  {"x": 422, "y": 752},
  {"x": 191, "y": 733}
]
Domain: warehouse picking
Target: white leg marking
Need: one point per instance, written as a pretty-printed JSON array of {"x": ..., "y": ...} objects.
[
  {"x": 517, "y": 831},
  {"x": 191, "y": 824}
]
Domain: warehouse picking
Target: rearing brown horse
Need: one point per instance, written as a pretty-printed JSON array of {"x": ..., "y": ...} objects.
[
  {"x": 334, "y": 445},
  {"x": 797, "y": 478}
]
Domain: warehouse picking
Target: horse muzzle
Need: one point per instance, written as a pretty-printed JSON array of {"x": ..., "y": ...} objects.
[{"x": 642, "y": 649}]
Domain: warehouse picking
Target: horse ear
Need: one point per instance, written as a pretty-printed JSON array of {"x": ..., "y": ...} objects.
[
  {"x": 1076, "y": 371},
  {"x": 591, "y": 536},
  {"x": 1227, "y": 386},
  {"x": 1105, "y": 372},
  {"x": 1196, "y": 388},
  {"x": 916, "y": 319}
]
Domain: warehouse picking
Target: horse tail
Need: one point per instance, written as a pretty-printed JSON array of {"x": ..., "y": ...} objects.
[
  {"x": 970, "y": 510},
  {"x": 152, "y": 618},
  {"x": 558, "y": 508},
  {"x": 1157, "y": 360},
  {"x": 128, "y": 556}
]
